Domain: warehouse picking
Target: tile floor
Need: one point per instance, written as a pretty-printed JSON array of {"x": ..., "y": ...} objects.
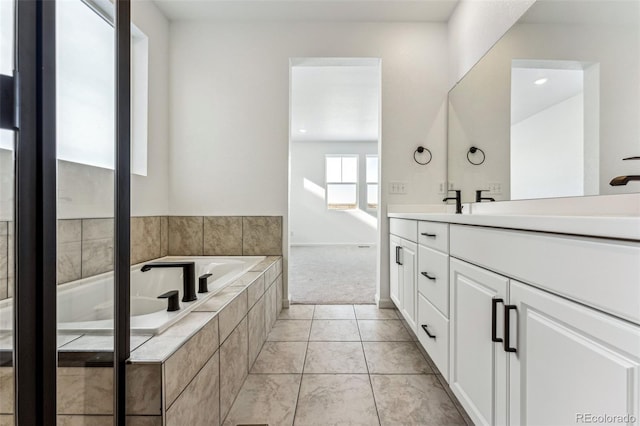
[{"x": 339, "y": 365}]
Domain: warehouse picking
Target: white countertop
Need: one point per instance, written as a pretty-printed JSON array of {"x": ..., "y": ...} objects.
[{"x": 619, "y": 227}]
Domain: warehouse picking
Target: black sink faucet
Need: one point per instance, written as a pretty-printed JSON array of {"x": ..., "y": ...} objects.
[
  {"x": 480, "y": 198},
  {"x": 188, "y": 276},
  {"x": 458, "y": 199},
  {"x": 623, "y": 180}
]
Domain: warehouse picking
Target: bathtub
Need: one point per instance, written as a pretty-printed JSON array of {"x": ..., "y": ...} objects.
[{"x": 86, "y": 305}]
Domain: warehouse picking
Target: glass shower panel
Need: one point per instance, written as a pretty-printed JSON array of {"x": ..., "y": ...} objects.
[
  {"x": 7, "y": 178},
  {"x": 85, "y": 120}
]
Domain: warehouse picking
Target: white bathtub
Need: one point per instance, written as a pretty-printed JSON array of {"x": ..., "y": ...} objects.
[{"x": 86, "y": 306}]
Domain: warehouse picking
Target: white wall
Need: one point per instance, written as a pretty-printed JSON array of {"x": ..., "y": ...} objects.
[
  {"x": 310, "y": 222},
  {"x": 230, "y": 111},
  {"x": 86, "y": 191},
  {"x": 547, "y": 152},
  {"x": 475, "y": 26},
  {"x": 150, "y": 194}
]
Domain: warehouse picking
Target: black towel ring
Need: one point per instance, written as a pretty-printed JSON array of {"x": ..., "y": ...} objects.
[
  {"x": 473, "y": 150},
  {"x": 420, "y": 150}
]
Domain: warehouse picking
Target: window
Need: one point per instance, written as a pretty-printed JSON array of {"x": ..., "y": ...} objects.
[
  {"x": 342, "y": 182},
  {"x": 86, "y": 86},
  {"x": 372, "y": 181}
]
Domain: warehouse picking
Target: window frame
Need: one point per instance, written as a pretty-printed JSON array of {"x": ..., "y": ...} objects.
[
  {"x": 376, "y": 183},
  {"x": 356, "y": 184}
]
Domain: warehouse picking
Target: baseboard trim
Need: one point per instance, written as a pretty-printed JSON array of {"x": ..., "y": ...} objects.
[
  {"x": 385, "y": 303},
  {"x": 285, "y": 303}
]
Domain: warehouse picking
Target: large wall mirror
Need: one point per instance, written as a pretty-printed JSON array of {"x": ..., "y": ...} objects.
[{"x": 553, "y": 109}]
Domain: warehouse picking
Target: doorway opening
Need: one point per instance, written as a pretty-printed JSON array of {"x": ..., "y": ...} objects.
[{"x": 334, "y": 180}]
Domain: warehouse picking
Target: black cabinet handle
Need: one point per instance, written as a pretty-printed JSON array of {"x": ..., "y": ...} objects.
[
  {"x": 507, "y": 326},
  {"x": 424, "y": 327},
  {"x": 494, "y": 320},
  {"x": 173, "y": 301},
  {"x": 428, "y": 235},
  {"x": 398, "y": 254},
  {"x": 426, "y": 274}
]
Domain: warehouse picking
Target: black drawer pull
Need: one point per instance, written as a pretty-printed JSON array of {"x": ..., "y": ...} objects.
[
  {"x": 424, "y": 327},
  {"x": 507, "y": 326},
  {"x": 426, "y": 274},
  {"x": 426, "y": 234},
  {"x": 494, "y": 320}
]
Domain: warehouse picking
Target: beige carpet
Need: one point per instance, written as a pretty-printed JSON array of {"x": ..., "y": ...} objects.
[{"x": 332, "y": 274}]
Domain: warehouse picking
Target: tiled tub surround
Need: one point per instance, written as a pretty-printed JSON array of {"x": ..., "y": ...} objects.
[
  {"x": 189, "y": 374},
  {"x": 85, "y": 246}
]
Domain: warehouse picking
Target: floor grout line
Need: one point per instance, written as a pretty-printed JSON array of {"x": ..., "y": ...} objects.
[
  {"x": 295, "y": 411},
  {"x": 366, "y": 364}
]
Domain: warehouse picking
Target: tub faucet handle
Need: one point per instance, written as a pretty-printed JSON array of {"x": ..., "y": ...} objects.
[
  {"x": 202, "y": 283},
  {"x": 173, "y": 300}
]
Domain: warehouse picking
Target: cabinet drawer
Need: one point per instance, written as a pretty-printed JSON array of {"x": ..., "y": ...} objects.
[
  {"x": 596, "y": 272},
  {"x": 405, "y": 228},
  {"x": 433, "y": 278},
  {"x": 438, "y": 326},
  {"x": 434, "y": 235}
]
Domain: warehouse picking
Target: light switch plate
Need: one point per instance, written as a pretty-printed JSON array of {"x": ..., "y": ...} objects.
[{"x": 397, "y": 187}]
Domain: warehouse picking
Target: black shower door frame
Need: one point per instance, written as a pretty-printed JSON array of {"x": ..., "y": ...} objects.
[{"x": 28, "y": 107}]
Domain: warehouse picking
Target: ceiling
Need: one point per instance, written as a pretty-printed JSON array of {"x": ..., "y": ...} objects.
[
  {"x": 309, "y": 10},
  {"x": 527, "y": 98},
  {"x": 335, "y": 103}
]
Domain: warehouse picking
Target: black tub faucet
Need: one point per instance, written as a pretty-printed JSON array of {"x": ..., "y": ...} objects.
[
  {"x": 480, "y": 198},
  {"x": 188, "y": 276},
  {"x": 458, "y": 199}
]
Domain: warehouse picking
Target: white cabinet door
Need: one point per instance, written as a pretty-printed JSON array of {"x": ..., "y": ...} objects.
[
  {"x": 570, "y": 361},
  {"x": 477, "y": 364},
  {"x": 395, "y": 288},
  {"x": 409, "y": 256}
]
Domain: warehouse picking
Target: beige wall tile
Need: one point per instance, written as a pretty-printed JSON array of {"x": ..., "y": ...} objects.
[
  {"x": 145, "y": 238},
  {"x": 255, "y": 289},
  {"x": 97, "y": 229},
  {"x": 10, "y": 255},
  {"x": 261, "y": 235},
  {"x": 185, "y": 235},
  {"x": 4, "y": 290},
  {"x": 6, "y": 390},
  {"x": 233, "y": 366},
  {"x": 97, "y": 246},
  {"x": 6, "y": 420},
  {"x": 257, "y": 330},
  {"x": 223, "y": 236},
  {"x": 231, "y": 315},
  {"x": 69, "y": 250},
  {"x": 199, "y": 404},
  {"x": 4, "y": 250},
  {"x": 65, "y": 420},
  {"x": 144, "y": 420},
  {"x": 144, "y": 389},
  {"x": 164, "y": 236},
  {"x": 185, "y": 363},
  {"x": 279, "y": 295},
  {"x": 270, "y": 313},
  {"x": 97, "y": 257},
  {"x": 85, "y": 390}
]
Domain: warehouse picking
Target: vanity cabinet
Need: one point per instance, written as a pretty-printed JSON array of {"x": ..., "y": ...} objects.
[
  {"x": 570, "y": 360},
  {"x": 522, "y": 355},
  {"x": 403, "y": 268},
  {"x": 478, "y": 363}
]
